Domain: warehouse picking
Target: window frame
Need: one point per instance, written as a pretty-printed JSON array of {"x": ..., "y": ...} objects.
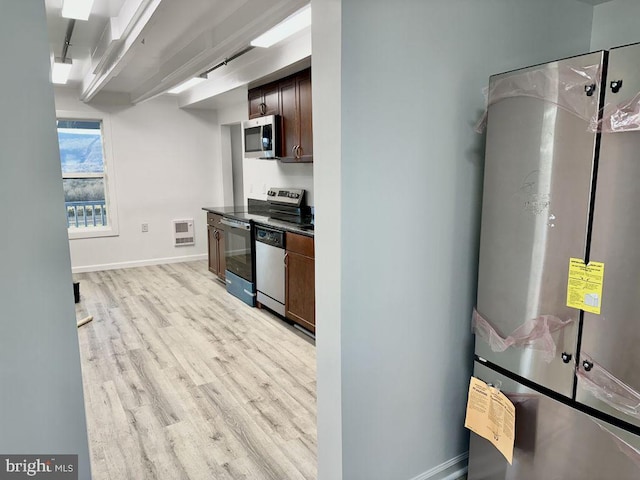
[{"x": 109, "y": 176}]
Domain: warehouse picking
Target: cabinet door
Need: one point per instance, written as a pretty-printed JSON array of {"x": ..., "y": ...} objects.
[
  {"x": 255, "y": 103},
  {"x": 222, "y": 263},
  {"x": 305, "y": 126},
  {"x": 271, "y": 99},
  {"x": 300, "y": 290},
  {"x": 288, "y": 104},
  {"x": 213, "y": 250}
]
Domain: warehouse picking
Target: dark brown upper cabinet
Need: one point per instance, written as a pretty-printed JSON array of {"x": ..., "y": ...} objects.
[
  {"x": 292, "y": 95},
  {"x": 264, "y": 101}
]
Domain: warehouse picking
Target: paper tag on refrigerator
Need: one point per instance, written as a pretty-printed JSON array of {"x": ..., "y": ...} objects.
[
  {"x": 491, "y": 415},
  {"x": 584, "y": 288}
]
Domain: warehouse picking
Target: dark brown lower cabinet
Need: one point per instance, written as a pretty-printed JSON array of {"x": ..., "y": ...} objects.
[
  {"x": 300, "y": 299},
  {"x": 217, "y": 263}
]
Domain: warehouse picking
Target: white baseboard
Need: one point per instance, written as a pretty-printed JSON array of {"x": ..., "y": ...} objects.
[
  {"x": 450, "y": 470},
  {"x": 138, "y": 263}
]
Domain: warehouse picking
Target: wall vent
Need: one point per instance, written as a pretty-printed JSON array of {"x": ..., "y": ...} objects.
[{"x": 183, "y": 233}]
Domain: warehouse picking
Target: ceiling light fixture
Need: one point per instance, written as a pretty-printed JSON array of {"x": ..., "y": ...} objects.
[
  {"x": 296, "y": 22},
  {"x": 78, "y": 9},
  {"x": 60, "y": 71},
  {"x": 186, "y": 85}
]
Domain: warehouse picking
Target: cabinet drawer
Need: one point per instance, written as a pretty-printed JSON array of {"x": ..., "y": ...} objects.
[
  {"x": 214, "y": 220},
  {"x": 300, "y": 244}
]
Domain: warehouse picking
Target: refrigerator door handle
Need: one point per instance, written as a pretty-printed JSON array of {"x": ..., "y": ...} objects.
[{"x": 616, "y": 85}]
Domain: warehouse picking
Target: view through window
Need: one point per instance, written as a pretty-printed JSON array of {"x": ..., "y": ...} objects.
[{"x": 83, "y": 173}]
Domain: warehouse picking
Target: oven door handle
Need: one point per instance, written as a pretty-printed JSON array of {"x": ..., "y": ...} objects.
[{"x": 236, "y": 224}]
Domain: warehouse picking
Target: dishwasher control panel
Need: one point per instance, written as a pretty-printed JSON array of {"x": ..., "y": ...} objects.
[{"x": 270, "y": 236}]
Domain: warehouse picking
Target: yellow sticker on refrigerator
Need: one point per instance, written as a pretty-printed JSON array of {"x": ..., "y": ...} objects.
[{"x": 584, "y": 289}]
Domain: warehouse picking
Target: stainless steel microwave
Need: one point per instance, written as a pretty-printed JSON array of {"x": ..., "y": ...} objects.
[{"x": 262, "y": 137}]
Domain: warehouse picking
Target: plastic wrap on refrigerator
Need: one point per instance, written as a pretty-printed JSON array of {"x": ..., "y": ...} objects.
[
  {"x": 572, "y": 89},
  {"x": 534, "y": 334},
  {"x": 624, "y": 117},
  {"x": 606, "y": 387}
]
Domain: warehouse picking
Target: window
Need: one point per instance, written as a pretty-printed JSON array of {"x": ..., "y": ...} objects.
[{"x": 87, "y": 177}]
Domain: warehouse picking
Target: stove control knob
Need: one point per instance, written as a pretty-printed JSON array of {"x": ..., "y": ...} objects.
[
  {"x": 566, "y": 357},
  {"x": 587, "y": 365}
]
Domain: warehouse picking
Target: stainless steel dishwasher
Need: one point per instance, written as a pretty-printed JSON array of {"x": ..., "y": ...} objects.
[{"x": 270, "y": 253}]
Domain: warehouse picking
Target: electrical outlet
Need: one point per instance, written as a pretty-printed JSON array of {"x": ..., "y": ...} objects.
[{"x": 145, "y": 227}]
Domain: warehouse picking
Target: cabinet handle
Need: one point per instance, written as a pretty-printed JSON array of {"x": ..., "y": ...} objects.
[
  {"x": 293, "y": 150},
  {"x": 298, "y": 151},
  {"x": 286, "y": 260},
  {"x": 263, "y": 108}
]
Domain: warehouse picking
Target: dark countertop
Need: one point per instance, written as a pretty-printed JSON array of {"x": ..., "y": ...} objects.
[{"x": 260, "y": 218}]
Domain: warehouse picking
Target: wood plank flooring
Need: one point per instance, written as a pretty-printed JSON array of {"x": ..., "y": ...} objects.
[{"x": 183, "y": 381}]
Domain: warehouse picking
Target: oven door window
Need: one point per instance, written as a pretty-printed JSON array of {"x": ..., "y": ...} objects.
[
  {"x": 253, "y": 139},
  {"x": 237, "y": 249}
]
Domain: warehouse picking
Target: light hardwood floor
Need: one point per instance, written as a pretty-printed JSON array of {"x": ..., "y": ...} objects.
[{"x": 183, "y": 381}]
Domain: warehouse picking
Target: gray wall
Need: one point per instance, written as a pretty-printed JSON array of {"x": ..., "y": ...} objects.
[
  {"x": 41, "y": 401},
  {"x": 410, "y": 173},
  {"x": 615, "y": 24},
  {"x": 326, "y": 80}
]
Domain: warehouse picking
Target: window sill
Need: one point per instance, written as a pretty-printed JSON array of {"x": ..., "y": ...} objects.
[{"x": 97, "y": 232}]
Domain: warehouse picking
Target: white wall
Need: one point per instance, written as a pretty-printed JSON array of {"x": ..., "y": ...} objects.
[
  {"x": 410, "y": 173},
  {"x": 237, "y": 167},
  {"x": 41, "y": 400},
  {"x": 166, "y": 168},
  {"x": 259, "y": 175},
  {"x": 615, "y": 24}
]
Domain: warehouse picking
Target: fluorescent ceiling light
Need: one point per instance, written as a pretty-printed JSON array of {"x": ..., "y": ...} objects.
[
  {"x": 78, "y": 9},
  {"x": 186, "y": 85},
  {"x": 296, "y": 22},
  {"x": 60, "y": 71}
]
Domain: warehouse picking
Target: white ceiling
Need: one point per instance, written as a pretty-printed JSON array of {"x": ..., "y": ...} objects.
[{"x": 144, "y": 47}]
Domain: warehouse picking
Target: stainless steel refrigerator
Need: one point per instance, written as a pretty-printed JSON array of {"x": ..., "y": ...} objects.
[{"x": 562, "y": 182}]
